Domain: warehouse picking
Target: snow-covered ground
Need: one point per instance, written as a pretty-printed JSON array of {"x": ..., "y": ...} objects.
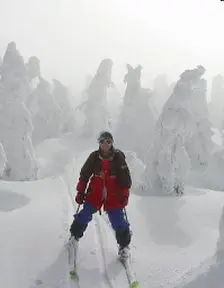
[
  {"x": 174, "y": 239},
  {"x": 33, "y": 220}
]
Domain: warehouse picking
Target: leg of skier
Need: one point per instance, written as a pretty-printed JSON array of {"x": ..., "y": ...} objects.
[
  {"x": 122, "y": 231},
  {"x": 77, "y": 230},
  {"x": 81, "y": 220},
  {"x": 123, "y": 236}
]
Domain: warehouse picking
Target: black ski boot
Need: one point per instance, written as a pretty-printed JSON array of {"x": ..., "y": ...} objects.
[
  {"x": 123, "y": 239},
  {"x": 124, "y": 253},
  {"x": 77, "y": 230}
]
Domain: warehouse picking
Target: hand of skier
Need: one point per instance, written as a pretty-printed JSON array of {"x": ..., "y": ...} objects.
[
  {"x": 81, "y": 186},
  {"x": 80, "y": 198}
]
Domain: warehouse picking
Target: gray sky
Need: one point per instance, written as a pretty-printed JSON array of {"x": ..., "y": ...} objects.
[{"x": 71, "y": 37}]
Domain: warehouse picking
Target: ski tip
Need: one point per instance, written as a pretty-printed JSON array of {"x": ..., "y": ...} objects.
[
  {"x": 135, "y": 284},
  {"x": 73, "y": 275}
]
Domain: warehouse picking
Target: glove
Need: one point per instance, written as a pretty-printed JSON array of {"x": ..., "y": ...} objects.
[
  {"x": 124, "y": 197},
  {"x": 81, "y": 186},
  {"x": 80, "y": 198}
]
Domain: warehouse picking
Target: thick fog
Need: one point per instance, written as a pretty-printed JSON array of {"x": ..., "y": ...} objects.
[{"x": 71, "y": 37}]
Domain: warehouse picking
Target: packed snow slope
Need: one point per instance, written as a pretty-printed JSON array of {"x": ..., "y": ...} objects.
[
  {"x": 33, "y": 219},
  {"x": 176, "y": 241}
]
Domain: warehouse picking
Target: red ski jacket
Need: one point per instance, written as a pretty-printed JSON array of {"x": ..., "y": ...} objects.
[{"x": 109, "y": 180}]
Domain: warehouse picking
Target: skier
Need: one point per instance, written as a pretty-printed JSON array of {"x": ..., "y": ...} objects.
[{"x": 110, "y": 181}]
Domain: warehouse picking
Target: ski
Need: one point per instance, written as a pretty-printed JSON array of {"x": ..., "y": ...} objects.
[
  {"x": 133, "y": 283},
  {"x": 72, "y": 248},
  {"x": 126, "y": 263},
  {"x": 73, "y": 274}
]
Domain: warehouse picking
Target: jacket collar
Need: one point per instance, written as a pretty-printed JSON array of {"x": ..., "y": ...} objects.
[{"x": 110, "y": 156}]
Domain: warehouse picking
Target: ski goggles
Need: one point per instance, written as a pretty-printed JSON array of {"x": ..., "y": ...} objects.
[{"x": 107, "y": 141}]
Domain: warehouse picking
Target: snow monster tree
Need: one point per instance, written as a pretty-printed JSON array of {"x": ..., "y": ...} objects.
[
  {"x": 199, "y": 145},
  {"x": 137, "y": 119},
  {"x": 94, "y": 107},
  {"x": 176, "y": 130},
  {"x": 15, "y": 119}
]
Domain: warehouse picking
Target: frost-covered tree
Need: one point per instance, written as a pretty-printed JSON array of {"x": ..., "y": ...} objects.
[
  {"x": 33, "y": 68},
  {"x": 136, "y": 167},
  {"x": 46, "y": 114},
  {"x": 33, "y": 74},
  {"x": 200, "y": 146},
  {"x": 13, "y": 73},
  {"x": 168, "y": 163},
  {"x": 114, "y": 101},
  {"x": 15, "y": 119},
  {"x": 161, "y": 91},
  {"x": 79, "y": 115},
  {"x": 216, "y": 105},
  {"x": 182, "y": 135},
  {"x": 88, "y": 81},
  {"x": 213, "y": 176},
  {"x": 95, "y": 108},
  {"x": 3, "y": 161},
  {"x": 61, "y": 96},
  {"x": 137, "y": 119},
  {"x": 220, "y": 242}
]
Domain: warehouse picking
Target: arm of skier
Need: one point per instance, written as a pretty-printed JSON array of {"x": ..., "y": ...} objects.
[
  {"x": 85, "y": 174},
  {"x": 125, "y": 180}
]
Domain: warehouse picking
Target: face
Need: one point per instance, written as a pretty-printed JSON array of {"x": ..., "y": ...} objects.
[{"x": 105, "y": 145}]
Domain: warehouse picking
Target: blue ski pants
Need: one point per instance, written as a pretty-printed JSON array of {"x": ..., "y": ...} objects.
[{"x": 116, "y": 217}]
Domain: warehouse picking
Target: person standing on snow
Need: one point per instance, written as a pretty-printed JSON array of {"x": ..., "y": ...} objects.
[{"x": 110, "y": 181}]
